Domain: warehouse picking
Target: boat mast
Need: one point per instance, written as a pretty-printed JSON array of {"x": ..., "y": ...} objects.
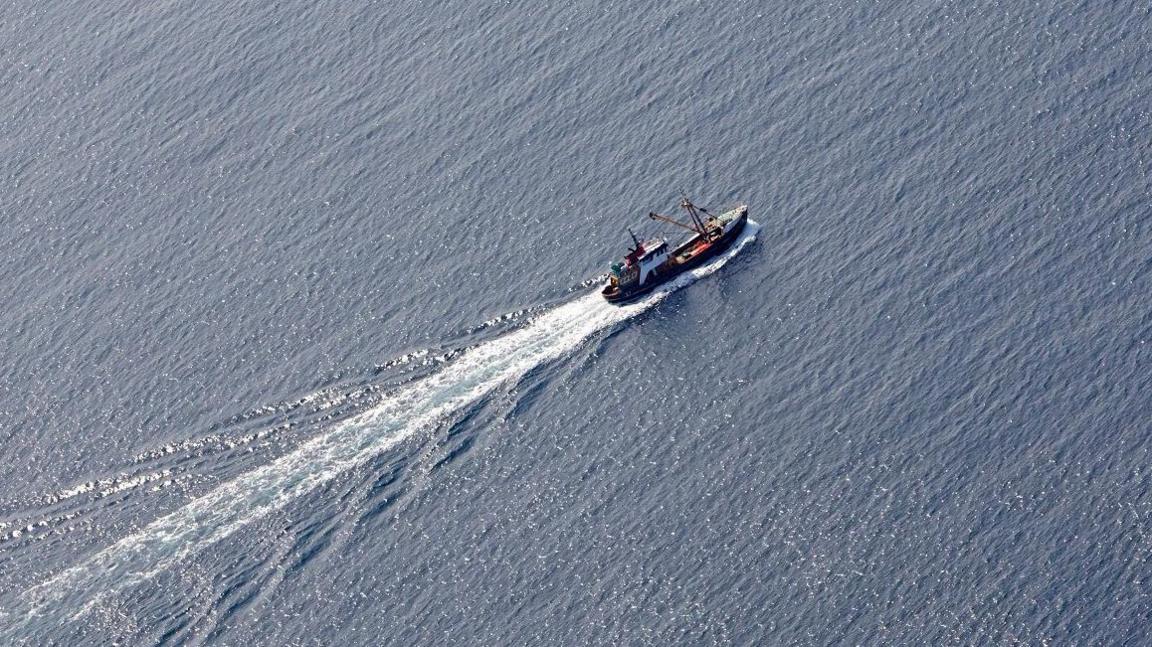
[
  {"x": 691, "y": 209},
  {"x": 697, "y": 221},
  {"x": 692, "y": 227}
]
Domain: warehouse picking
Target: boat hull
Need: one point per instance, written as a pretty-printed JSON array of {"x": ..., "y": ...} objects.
[{"x": 690, "y": 255}]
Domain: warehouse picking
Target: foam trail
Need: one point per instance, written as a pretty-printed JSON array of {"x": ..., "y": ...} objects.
[{"x": 266, "y": 489}]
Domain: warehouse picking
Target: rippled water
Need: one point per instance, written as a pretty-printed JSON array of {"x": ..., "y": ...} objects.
[{"x": 301, "y": 347}]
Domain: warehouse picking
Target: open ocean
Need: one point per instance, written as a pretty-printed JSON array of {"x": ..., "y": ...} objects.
[{"x": 300, "y": 345}]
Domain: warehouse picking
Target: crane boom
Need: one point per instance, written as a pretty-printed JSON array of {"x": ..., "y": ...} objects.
[{"x": 656, "y": 216}]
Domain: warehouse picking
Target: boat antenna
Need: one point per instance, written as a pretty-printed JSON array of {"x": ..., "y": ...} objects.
[{"x": 635, "y": 241}]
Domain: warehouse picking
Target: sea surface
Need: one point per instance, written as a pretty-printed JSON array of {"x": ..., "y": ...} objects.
[{"x": 300, "y": 344}]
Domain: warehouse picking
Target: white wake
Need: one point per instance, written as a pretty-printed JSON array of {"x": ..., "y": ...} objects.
[{"x": 229, "y": 507}]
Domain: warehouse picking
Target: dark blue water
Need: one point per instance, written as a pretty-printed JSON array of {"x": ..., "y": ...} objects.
[{"x": 295, "y": 348}]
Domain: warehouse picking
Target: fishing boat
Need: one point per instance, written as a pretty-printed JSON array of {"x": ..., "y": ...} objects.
[{"x": 650, "y": 263}]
